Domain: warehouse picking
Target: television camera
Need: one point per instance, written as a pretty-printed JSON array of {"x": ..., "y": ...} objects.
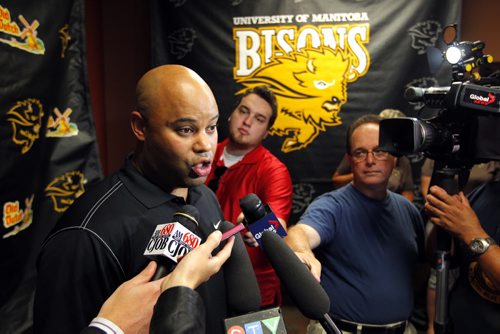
[{"x": 464, "y": 127}]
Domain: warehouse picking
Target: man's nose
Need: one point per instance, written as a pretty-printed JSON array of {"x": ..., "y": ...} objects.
[
  {"x": 370, "y": 158},
  {"x": 203, "y": 142},
  {"x": 248, "y": 120}
]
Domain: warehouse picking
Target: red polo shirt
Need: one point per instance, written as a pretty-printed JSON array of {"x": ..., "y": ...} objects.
[{"x": 261, "y": 173}]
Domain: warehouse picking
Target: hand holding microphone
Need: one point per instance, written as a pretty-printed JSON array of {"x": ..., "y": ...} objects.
[
  {"x": 247, "y": 236},
  {"x": 130, "y": 307},
  {"x": 259, "y": 218},
  {"x": 199, "y": 265}
]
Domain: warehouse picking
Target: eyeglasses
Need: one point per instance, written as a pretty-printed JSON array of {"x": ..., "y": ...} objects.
[
  {"x": 214, "y": 183},
  {"x": 360, "y": 155}
]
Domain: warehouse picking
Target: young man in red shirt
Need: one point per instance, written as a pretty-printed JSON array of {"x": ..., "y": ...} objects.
[{"x": 242, "y": 166}]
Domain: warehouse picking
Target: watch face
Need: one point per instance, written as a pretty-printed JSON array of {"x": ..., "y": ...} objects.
[
  {"x": 477, "y": 246},
  {"x": 480, "y": 245}
]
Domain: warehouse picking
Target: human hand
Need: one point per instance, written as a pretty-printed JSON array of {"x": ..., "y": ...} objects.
[
  {"x": 250, "y": 240},
  {"x": 247, "y": 236},
  {"x": 311, "y": 262},
  {"x": 199, "y": 264},
  {"x": 130, "y": 307},
  {"x": 453, "y": 213},
  {"x": 240, "y": 218}
]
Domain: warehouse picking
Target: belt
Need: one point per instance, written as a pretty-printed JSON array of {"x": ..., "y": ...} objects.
[{"x": 357, "y": 328}]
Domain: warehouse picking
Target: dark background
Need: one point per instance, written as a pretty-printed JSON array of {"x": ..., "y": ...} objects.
[{"x": 118, "y": 53}]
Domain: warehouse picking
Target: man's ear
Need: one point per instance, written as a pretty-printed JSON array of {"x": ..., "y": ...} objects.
[
  {"x": 138, "y": 125},
  {"x": 394, "y": 162}
]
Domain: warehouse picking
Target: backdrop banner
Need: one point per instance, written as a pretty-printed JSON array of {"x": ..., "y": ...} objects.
[
  {"x": 48, "y": 146},
  {"x": 328, "y": 61}
]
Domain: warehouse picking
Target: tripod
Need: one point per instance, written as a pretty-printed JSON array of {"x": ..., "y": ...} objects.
[{"x": 446, "y": 178}]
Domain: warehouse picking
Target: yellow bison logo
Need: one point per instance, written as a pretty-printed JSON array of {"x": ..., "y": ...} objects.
[
  {"x": 65, "y": 189},
  {"x": 26, "y": 120},
  {"x": 310, "y": 88}
]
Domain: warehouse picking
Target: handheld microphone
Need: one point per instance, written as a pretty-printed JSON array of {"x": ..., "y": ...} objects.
[
  {"x": 172, "y": 241},
  {"x": 307, "y": 294},
  {"x": 259, "y": 217},
  {"x": 242, "y": 289}
]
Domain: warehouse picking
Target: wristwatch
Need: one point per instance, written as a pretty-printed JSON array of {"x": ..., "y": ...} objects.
[{"x": 480, "y": 245}]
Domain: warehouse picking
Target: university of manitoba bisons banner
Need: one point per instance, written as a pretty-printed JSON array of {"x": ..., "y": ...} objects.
[
  {"x": 328, "y": 61},
  {"x": 48, "y": 147}
]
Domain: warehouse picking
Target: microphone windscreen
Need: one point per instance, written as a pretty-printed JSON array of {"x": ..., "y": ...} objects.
[
  {"x": 252, "y": 208},
  {"x": 188, "y": 216},
  {"x": 242, "y": 289},
  {"x": 307, "y": 294}
]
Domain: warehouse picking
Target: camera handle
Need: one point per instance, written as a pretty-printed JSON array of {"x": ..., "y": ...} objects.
[{"x": 445, "y": 178}]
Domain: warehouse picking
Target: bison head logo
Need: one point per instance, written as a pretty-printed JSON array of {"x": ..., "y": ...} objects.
[
  {"x": 310, "y": 87},
  {"x": 63, "y": 190},
  {"x": 26, "y": 120}
]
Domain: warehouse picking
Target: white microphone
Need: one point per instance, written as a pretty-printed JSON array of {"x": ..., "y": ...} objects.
[{"x": 171, "y": 241}]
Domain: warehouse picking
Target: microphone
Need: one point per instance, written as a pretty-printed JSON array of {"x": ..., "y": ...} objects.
[
  {"x": 243, "y": 294},
  {"x": 172, "y": 241},
  {"x": 434, "y": 97},
  {"x": 307, "y": 294},
  {"x": 259, "y": 217}
]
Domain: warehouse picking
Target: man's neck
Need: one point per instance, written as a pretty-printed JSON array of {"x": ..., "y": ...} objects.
[
  {"x": 377, "y": 193},
  {"x": 180, "y": 192},
  {"x": 237, "y": 149}
]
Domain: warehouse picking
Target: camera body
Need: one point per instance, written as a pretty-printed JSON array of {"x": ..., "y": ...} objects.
[{"x": 464, "y": 128}]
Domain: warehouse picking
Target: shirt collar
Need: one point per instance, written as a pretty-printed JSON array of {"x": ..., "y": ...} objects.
[
  {"x": 251, "y": 157},
  {"x": 148, "y": 193}
]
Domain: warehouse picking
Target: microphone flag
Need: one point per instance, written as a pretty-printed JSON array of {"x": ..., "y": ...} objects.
[
  {"x": 267, "y": 223},
  {"x": 171, "y": 240},
  {"x": 268, "y": 321}
]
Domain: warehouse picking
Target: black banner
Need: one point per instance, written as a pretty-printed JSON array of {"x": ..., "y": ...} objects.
[
  {"x": 328, "y": 62},
  {"x": 48, "y": 146}
]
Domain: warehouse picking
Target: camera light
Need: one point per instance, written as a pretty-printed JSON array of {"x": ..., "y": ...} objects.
[{"x": 453, "y": 55}]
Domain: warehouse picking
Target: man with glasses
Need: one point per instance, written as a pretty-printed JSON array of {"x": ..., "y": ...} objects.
[
  {"x": 367, "y": 241},
  {"x": 401, "y": 179},
  {"x": 242, "y": 165}
]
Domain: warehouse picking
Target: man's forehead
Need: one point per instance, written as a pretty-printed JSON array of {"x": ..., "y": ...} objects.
[
  {"x": 256, "y": 104},
  {"x": 193, "y": 118},
  {"x": 365, "y": 134},
  {"x": 366, "y": 127}
]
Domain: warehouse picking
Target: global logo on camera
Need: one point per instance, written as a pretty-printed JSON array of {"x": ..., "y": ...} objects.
[{"x": 478, "y": 99}]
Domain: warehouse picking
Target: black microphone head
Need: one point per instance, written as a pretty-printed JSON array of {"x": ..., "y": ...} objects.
[
  {"x": 414, "y": 94},
  {"x": 307, "y": 294},
  {"x": 252, "y": 208},
  {"x": 242, "y": 289},
  {"x": 188, "y": 216}
]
